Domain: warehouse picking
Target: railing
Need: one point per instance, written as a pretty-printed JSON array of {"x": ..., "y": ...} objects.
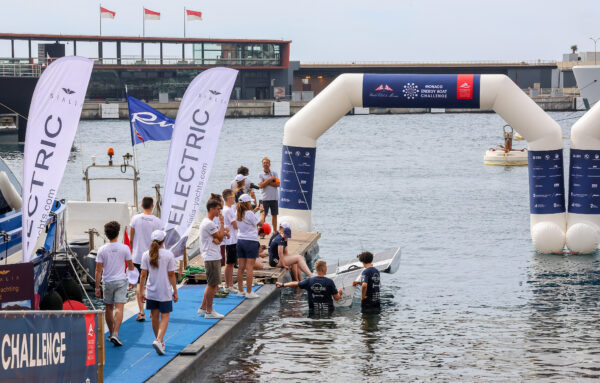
[
  {"x": 177, "y": 61},
  {"x": 20, "y": 70},
  {"x": 465, "y": 62}
]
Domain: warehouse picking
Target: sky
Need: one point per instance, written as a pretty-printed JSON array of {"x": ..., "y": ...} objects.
[{"x": 329, "y": 31}]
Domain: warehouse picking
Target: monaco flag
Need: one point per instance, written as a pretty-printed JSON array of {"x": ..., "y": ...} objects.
[
  {"x": 193, "y": 15},
  {"x": 106, "y": 14},
  {"x": 151, "y": 15}
]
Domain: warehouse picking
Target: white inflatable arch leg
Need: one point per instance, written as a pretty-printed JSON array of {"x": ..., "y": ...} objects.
[
  {"x": 498, "y": 92},
  {"x": 583, "y": 223}
]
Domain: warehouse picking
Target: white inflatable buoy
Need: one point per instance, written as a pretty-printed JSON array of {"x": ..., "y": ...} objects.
[
  {"x": 548, "y": 237},
  {"x": 582, "y": 238},
  {"x": 13, "y": 199},
  {"x": 500, "y": 157}
]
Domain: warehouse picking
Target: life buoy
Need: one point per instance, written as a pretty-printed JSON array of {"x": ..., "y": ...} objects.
[{"x": 13, "y": 199}]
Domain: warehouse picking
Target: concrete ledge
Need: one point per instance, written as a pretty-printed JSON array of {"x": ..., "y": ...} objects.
[{"x": 186, "y": 367}]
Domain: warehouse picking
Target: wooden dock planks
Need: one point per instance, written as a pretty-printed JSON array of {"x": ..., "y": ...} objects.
[{"x": 300, "y": 243}]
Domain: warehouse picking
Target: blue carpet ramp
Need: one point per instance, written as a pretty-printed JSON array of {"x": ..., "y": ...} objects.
[{"x": 136, "y": 360}]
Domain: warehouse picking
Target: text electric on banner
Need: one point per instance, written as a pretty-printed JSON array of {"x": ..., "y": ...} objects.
[
  {"x": 53, "y": 119},
  {"x": 193, "y": 147}
]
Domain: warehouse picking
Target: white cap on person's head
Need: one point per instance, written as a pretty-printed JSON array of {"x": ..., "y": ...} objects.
[
  {"x": 245, "y": 198},
  {"x": 158, "y": 235},
  {"x": 285, "y": 225},
  {"x": 240, "y": 177}
]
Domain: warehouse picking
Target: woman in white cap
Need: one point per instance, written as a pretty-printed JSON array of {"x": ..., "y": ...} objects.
[
  {"x": 158, "y": 268},
  {"x": 240, "y": 181},
  {"x": 247, "y": 246}
]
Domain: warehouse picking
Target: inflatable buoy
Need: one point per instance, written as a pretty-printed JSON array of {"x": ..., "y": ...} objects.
[
  {"x": 70, "y": 290},
  {"x": 266, "y": 228},
  {"x": 13, "y": 199},
  {"x": 70, "y": 304}
]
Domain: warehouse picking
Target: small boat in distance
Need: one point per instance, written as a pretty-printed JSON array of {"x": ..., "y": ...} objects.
[{"x": 506, "y": 155}]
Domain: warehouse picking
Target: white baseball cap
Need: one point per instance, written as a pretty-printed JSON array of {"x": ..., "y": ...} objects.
[
  {"x": 245, "y": 198},
  {"x": 240, "y": 177},
  {"x": 132, "y": 276},
  {"x": 285, "y": 225},
  {"x": 158, "y": 235}
]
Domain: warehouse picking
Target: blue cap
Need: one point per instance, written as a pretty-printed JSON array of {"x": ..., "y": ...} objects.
[{"x": 287, "y": 232}]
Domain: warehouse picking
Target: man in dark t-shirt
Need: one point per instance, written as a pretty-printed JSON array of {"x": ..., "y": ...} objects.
[
  {"x": 369, "y": 281},
  {"x": 321, "y": 290}
]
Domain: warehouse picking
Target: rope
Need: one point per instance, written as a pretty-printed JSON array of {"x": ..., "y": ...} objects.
[
  {"x": 297, "y": 178},
  {"x": 14, "y": 111},
  {"x": 80, "y": 283},
  {"x": 192, "y": 270}
]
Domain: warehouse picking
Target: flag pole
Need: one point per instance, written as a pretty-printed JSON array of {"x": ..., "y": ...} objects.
[
  {"x": 132, "y": 131},
  {"x": 184, "y": 22},
  {"x": 143, "y": 22},
  {"x": 100, "y": 14}
]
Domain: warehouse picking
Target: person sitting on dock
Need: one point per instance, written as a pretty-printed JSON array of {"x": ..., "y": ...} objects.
[
  {"x": 278, "y": 253},
  {"x": 369, "y": 282},
  {"x": 248, "y": 245},
  {"x": 321, "y": 291},
  {"x": 158, "y": 269},
  {"x": 109, "y": 267},
  {"x": 211, "y": 237},
  {"x": 269, "y": 182},
  {"x": 142, "y": 225},
  {"x": 230, "y": 240}
]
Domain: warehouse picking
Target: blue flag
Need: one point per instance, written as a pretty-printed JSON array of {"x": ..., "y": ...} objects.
[{"x": 147, "y": 123}]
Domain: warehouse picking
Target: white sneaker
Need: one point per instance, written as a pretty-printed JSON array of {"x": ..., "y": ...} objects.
[
  {"x": 159, "y": 347},
  {"x": 213, "y": 315},
  {"x": 241, "y": 294},
  {"x": 201, "y": 311},
  {"x": 252, "y": 295},
  {"x": 232, "y": 289}
]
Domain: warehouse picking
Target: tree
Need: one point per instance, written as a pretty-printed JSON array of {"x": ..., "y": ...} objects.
[{"x": 574, "y": 48}]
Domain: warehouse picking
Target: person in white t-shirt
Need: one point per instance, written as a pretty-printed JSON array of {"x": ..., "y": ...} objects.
[
  {"x": 211, "y": 237},
  {"x": 142, "y": 226},
  {"x": 248, "y": 246},
  {"x": 268, "y": 182},
  {"x": 230, "y": 241},
  {"x": 110, "y": 267},
  {"x": 158, "y": 269}
]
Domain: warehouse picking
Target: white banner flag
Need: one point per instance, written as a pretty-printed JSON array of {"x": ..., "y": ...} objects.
[
  {"x": 53, "y": 118},
  {"x": 193, "y": 147}
]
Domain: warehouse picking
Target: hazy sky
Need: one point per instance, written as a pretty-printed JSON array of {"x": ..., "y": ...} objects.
[{"x": 336, "y": 31}]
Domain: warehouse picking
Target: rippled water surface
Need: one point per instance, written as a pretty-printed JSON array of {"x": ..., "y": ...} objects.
[{"x": 472, "y": 301}]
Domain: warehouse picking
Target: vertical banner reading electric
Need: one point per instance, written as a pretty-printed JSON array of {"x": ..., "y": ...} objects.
[{"x": 421, "y": 91}]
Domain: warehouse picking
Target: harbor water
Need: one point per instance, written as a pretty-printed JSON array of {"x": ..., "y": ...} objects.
[{"x": 472, "y": 301}]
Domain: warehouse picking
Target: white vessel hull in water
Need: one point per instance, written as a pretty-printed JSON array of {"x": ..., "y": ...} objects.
[
  {"x": 387, "y": 261},
  {"x": 500, "y": 157},
  {"x": 588, "y": 82}
]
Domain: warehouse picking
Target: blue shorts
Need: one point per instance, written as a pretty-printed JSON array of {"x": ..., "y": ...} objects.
[
  {"x": 247, "y": 249},
  {"x": 164, "y": 307}
]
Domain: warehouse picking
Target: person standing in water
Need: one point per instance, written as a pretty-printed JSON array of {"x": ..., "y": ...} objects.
[
  {"x": 321, "y": 291},
  {"x": 158, "y": 269},
  {"x": 369, "y": 282}
]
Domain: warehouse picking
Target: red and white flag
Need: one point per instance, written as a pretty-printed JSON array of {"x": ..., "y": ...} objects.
[
  {"x": 193, "y": 15},
  {"x": 106, "y": 14},
  {"x": 151, "y": 15}
]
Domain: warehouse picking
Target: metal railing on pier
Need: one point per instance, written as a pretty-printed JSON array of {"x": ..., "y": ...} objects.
[{"x": 20, "y": 70}]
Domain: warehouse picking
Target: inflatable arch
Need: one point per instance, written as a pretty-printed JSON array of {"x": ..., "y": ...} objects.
[
  {"x": 583, "y": 224},
  {"x": 497, "y": 92}
]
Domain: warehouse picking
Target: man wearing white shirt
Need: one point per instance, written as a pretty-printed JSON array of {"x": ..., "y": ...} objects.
[
  {"x": 211, "y": 237},
  {"x": 110, "y": 263},
  {"x": 142, "y": 225}
]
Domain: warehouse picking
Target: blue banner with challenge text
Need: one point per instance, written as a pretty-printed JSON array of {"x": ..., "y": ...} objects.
[
  {"x": 297, "y": 175},
  {"x": 421, "y": 90},
  {"x": 40, "y": 347},
  {"x": 546, "y": 182},
  {"x": 584, "y": 182}
]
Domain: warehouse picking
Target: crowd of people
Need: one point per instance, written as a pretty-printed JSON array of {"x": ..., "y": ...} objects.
[{"x": 229, "y": 236}]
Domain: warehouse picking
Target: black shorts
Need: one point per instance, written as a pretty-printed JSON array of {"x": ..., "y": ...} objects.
[
  {"x": 273, "y": 262},
  {"x": 139, "y": 269},
  {"x": 272, "y": 206},
  {"x": 163, "y": 307},
  {"x": 231, "y": 252},
  {"x": 247, "y": 249}
]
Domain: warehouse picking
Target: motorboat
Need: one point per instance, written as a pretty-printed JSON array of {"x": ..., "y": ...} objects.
[
  {"x": 588, "y": 82},
  {"x": 505, "y": 155}
]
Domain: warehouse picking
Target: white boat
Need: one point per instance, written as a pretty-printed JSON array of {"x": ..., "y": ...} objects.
[
  {"x": 588, "y": 82},
  {"x": 387, "y": 261},
  {"x": 505, "y": 155}
]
